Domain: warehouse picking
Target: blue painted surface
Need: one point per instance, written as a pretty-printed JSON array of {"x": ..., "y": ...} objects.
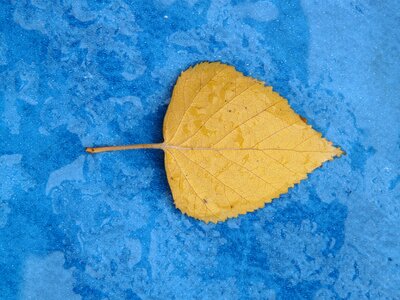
[{"x": 80, "y": 73}]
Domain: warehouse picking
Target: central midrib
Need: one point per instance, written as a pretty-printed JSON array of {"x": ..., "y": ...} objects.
[{"x": 166, "y": 146}]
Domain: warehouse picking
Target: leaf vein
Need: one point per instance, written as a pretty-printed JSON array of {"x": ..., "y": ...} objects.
[
  {"x": 212, "y": 115},
  {"x": 215, "y": 177},
  {"x": 244, "y": 122},
  {"x": 191, "y": 186},
  {"x": 194, "y": 99},
  {"x": 250, "y": 171},
  {"x": 294, "y": 172}
]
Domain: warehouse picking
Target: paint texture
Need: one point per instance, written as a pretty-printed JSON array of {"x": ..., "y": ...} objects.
[{"x": 84, "y": 73}]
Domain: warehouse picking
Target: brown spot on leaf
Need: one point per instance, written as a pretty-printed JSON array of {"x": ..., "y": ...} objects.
[{"x": 303, "y": 119}]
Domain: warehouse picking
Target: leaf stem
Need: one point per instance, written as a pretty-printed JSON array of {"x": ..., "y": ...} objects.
[{"x": 93, "y": 150}]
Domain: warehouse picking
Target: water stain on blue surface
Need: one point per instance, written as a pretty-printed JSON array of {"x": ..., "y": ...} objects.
[{"x": 98, "y": 72}]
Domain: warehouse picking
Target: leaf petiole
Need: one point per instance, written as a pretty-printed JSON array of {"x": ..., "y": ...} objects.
[{"x": 93, "y": 150}]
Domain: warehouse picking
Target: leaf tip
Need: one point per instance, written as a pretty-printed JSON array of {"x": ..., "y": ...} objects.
[{"x": 339, "y": 152}]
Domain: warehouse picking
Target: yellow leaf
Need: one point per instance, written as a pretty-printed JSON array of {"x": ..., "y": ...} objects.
[{"x": 232, "y": 144}]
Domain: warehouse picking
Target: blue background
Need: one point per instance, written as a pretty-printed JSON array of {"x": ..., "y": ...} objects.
[{"x": 83, "y": 73}]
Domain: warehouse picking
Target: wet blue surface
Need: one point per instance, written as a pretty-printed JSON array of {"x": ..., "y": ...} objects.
[{"x": 80, "y": 73}]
